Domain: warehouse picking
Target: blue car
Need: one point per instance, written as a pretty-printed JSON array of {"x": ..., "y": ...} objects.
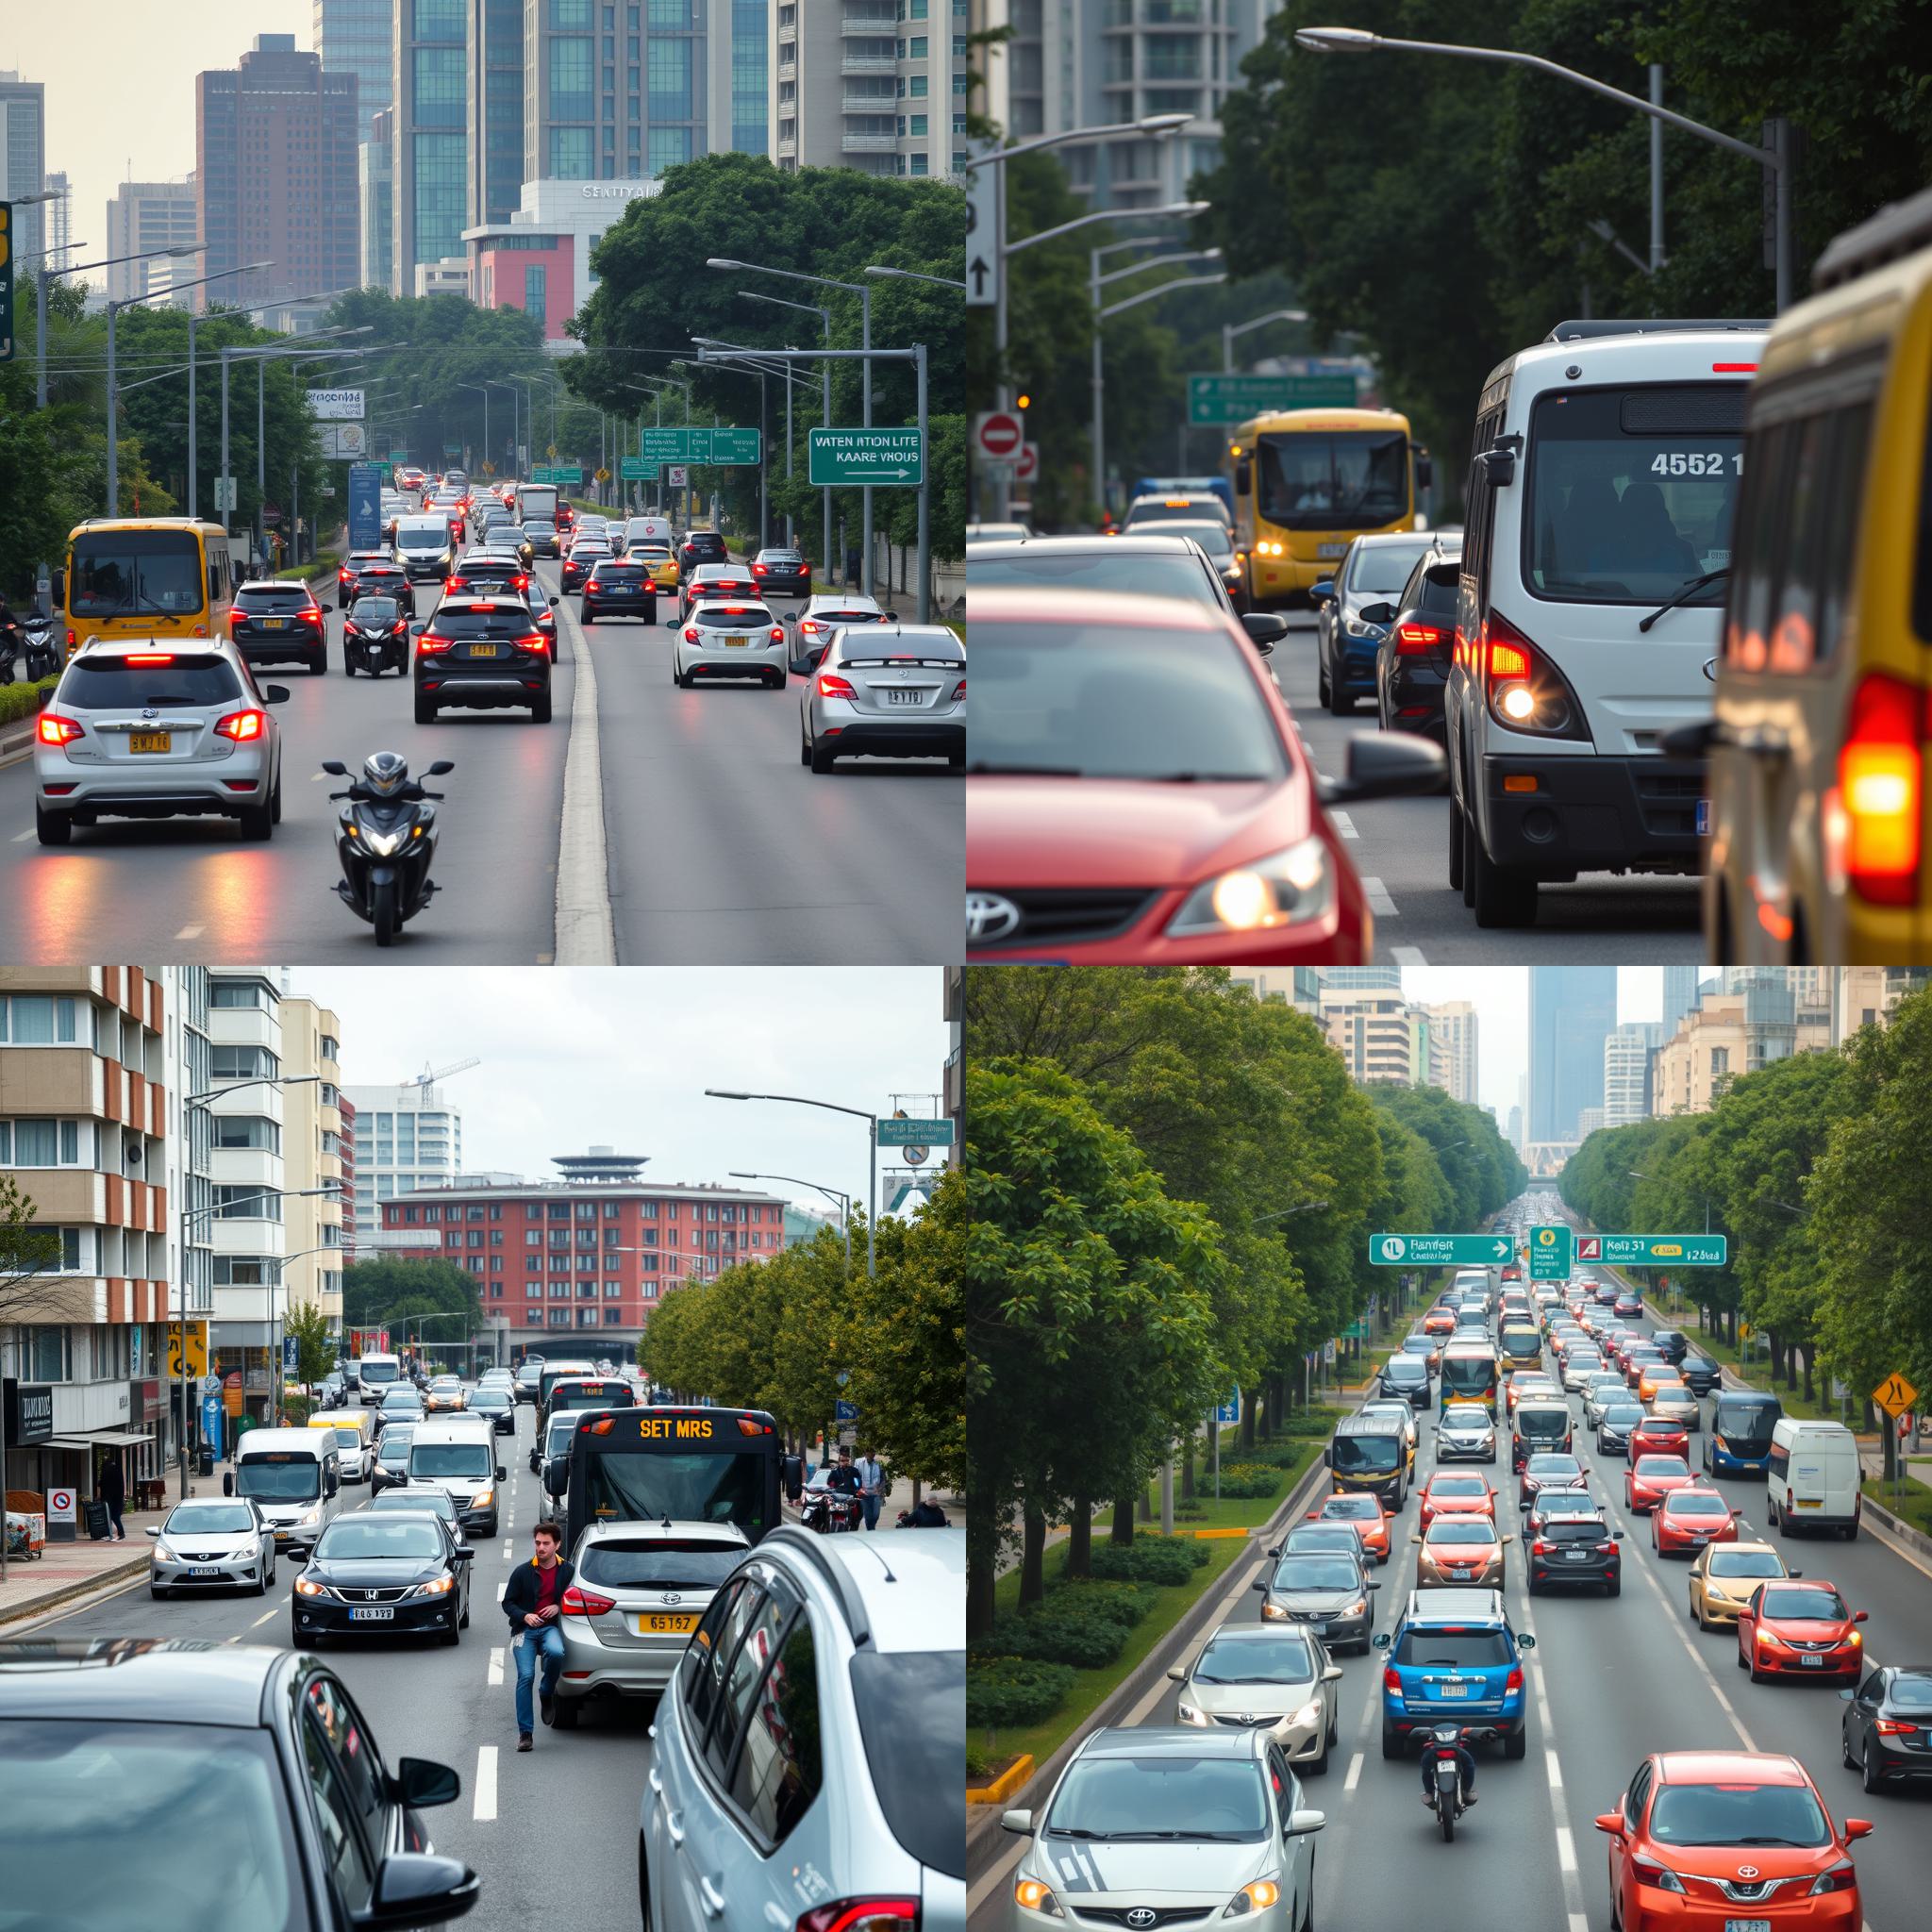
[
  {"x": 1453, "y": 1658},
  {"x": 1739, "y": 1440},
  {"x": 1374, "y": 570}
]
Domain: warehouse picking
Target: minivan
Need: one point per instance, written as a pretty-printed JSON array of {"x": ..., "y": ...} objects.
[
  {"x": 1539, "y": 1429},
  {"x": 459, "y": 1458},
  {"x": 294, "y": 1478},
  {"x": 424, "y": 546},
  {"x": 1812, "y": 1477},
  {"x": 1608, "y": 463}
]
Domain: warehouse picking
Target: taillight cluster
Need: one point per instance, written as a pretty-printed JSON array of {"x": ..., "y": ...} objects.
[
  {"x": 1415, "y": 640},
  {"x": 312, "y": 615},
  {"x": 832, "y": 686},
  {"x": 1873, "y": 818},
  {"x": 55, "y": 729},
  {"x": 579, "y": 1602},
  {"x": 242, "y": 726},
  {"x": 533, "y": 642},
  {"x": 433, "y": 646}
]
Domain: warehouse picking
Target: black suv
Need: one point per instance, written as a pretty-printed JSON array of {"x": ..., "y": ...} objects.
[
  {"x": 1671, "y": 1343},
  {"x": 1573, "y": 1544},
  {"x": 617, "y": 589},
  {"x": 700, "y": 546},
  {"x": 782, "y": 570},
  {"x": 478, "y": 654},
  {"x": 1408, "y": 1376},
  {"x": 1413, "y": 659},
  {"x": 1701, "y": 1374},
  {"x": 279, "y": 624}
]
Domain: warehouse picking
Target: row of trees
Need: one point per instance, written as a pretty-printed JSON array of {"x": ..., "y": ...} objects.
[
  {"x": 1813, "y": 1168},
  {"x": 776, "y": 1335},
  {"x": 655, "y": 294},
  {"x": 1171, "y": 1186}
]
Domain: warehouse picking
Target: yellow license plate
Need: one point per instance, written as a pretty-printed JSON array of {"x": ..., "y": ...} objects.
[
  {"x": 667, "y": 1622},
  {"x": 150, "y": 741},
  {"x": 482, "y": 650},
  {"x": 737, "y": 640},
  {"x": 275, "y": 624},
  {"x": 1810, "y": 1502}
]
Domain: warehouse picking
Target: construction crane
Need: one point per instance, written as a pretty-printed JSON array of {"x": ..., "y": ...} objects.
[{"x": 429, "y": 1076}]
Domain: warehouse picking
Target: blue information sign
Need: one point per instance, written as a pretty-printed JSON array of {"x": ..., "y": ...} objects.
[
  {"x": 365, "y": 506},
  {"x": 211, "y": 1420},
  {"x": 847, "y": 1412}
]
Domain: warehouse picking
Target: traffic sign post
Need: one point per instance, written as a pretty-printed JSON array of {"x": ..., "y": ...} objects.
[
  {"x": 983, "y": 266},
  {"x": 888, "y": 458},
  {"x": 1550, "y": 1253},
  {"x": 1895, "y": 1395},
  {"x": 6, "y": 281},
  {"x": 1439, "y": 1250},
  {"x": 911, "y": 1133},
  {"x": 845, "y": 1412},
  {"x": 1233, "y": 397},
  {"x": 635, "y": 468},
  {"x": 997, "y": 435},
  {"x": 721, "y": 445},
  {"x": 1655, "y": 1250}
]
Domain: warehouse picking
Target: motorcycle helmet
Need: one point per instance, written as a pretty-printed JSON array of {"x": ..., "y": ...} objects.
[{"x": 385, "y": 771}]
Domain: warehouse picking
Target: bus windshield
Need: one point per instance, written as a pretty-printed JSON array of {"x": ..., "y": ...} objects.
[
  {"x": 118, "y": 572},
  {"x": 297, "y": 1479},
  {"x": 638, "y": 1482},
  {"x": 1466, "y": 1375},
  {"x": 1345, "y": 480},
  {"x": 1366, "y": 1455},
  {"x": 1747, "y": 1418}
]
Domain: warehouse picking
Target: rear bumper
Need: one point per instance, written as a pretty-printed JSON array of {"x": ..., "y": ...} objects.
[
  {"x": 297, "y": 647},
  {"x": 1593, "y": 814},
  {"x": 894, "y": 739},
  {"x": 223, "y": 785},
  {"x": 484, "y": 689}
]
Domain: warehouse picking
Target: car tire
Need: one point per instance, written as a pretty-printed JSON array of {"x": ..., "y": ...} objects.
[
  {"x": 644, "y": 1921},
  {"x": 1340, "y": 703},
  {"x": 52, "y": 827},
  {"x": 804, "y": 747},
  {"x": 1614, "y": 1586},
  {"x": 158, "y": 1593},
  {"x": 425, "y": 712},
  {"x": 1516, "y": 1743},
  {"x": 564, "y": 1717},
  {"x": 1321, "y": 679},
  {"x": 1500, "y": 896},
  {"x": 1844, "y": 1748},
  {"x": 1873, "y": 1785},
  {"x": 822, "y": 759},
  {"x": 454, "y": 1634},
  {"x": 318, "y": 664},
  {"x": 1455, "y": 847},
  {"x": 257, "y": 822},
  {"x": 540, "y": 711},
  {"x": 1392, "y": 1747},
  {"x": 348, "y": 669},
  {"x": 274, "y": 797}
]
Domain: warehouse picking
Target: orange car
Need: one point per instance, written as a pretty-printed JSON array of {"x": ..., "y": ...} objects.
[
  {"x": 1697, "y": 1827},
  {"x": 1651, "y": 1478},
  {"x": 1793, "y": 1629},
  {"x": 1688, "y": 1519},
  {"x": 1532, "y": 1382},
  {"x": 1654, "y": 1375},
  {"x": 1364, "y": 1513},
  {"x": 1458, "y": 1496},
  {"x": 1440, "y": 1322}
]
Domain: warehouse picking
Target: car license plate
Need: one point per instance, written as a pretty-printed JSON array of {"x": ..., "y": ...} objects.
[
  {"x": 1452, "y": 1690},
  {"x": 1704, "y": 817},
  {"x": 482, "y": 650},
  {"x": 150, "y": 741},
  {"x": 204, "y": 1569},
  {"x": 1810, "y": 1502},
  {"x": 275, "y": 624},
  {"x": 1574, "y": 1555},
  {"x": 1747, "y": 1926},
  {"x": 903, "y": 697},
  {"x": 649, "y": 1623},
  {"x": 1330, "y": 549},
  {"x": 371, "y": 1616},
  {"x": 1812, "y": 1663},
  {"x": 1461, "y": 1576},
  {"x": 737, "y": 640}
]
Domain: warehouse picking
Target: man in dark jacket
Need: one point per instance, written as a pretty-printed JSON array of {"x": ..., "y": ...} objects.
[
  {"x": 532, "y": 1600},
  {"x": 112, "y": 1490}
]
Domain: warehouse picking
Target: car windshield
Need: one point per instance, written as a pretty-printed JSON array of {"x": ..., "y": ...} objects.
[
  {"x": 670, "y": 1562},
  {"x": 1746, "y": 1563},
  {"x": 98, "y": 680},
  {"x": 72, "y": 1785},
  {"x": 450, "y": 1459},
  {"x": 1450, "y": 1650},
  {"x": 1466, "y": 1526},
  {"x": 1632, "y": 492},
  {"x": 283, "y": 1477},
  {"x": 1333, "y": 480},
  {"x": 394, "y": 1444},
  {"x": 357, "y": 1539},
  {"x": 1662, "y": 1465},
  {"x": 208, "y": 1519},
  {"x": 1459, "y": 1486},
  {"x": 1738, "y": 1812},
  {"x": 1366, "y": 1455},
  {"x": 1133, "y": 572},
  {"x": 424, "y": 1501},
  {"x": 117, "y": 572},
  {"x": 1350, "y": 1508},
  {"x": 436, "y": 539},
  {"x": 1161, "y": 1797},
  {"x": 1465, "y": 1415},
  {"x": 1809, "y": 1600},
  {"x": 1275, "y": 1658},
  {"x": 1382, "y": 567},
  {"x": 490, "y": 1398},
  {"x": 1171, "y": 510},
  {"x": 1624, "y": 1415},
  {"x": 1316, "y": 1572}
]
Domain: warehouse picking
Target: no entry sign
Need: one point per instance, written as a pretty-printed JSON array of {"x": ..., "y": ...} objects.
[{"x": 998, "y": 435}]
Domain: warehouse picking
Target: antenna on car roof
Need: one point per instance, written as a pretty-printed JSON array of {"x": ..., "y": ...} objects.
[{"x": 873, "y": 1549}]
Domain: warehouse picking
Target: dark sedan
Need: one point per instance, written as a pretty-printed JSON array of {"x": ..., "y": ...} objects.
[
  {"x": 782, "y": 571},
  {"x": 381, "y": 577},
  {"x": 1701, "y": 1374},
  {"x": 719, "y": 579},
  {"x": 1887, "y": 1728},
  {"x": 495, "y": 1404},
  {"x": 349, "y": 569},
  {"x": 1613, "y": 1432},
  {"x": 579, "y": 561},
  {"x": 617, "y": 589},
  {"x": 279, "y": 624},
  {"x": 390, "y": 1573},
  {"x": 1412, "y": 658},
  {"x": 257, "y": 1757}
]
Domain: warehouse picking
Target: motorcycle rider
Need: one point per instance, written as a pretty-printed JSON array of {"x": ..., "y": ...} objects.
[
  {"x": 11, "y": 639},
  {"x": 1465, "y": 1761},
  {"x": 844, "y": 1480}
]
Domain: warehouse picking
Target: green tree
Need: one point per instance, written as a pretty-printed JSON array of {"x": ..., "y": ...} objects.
[
  {"x": 308, "y": 1326},
  {"x": 27, "y": 1254},
  {"x": 382, "y": 1292}
]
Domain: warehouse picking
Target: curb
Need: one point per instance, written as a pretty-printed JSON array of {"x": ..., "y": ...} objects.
[
  {"x": 53, "y": 1600},
  {"x": 1897, "y": 1529},
  {"x": 1003, "y": 1787},
  {"x": 585, "y": 933}
]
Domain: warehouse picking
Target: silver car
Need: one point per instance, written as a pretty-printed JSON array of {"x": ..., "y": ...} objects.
[
  {"x": 1277, "y": 1679},
  {"x": 221, "y": 1543},
  {"x": 885, "y": 690},
  {"x": 821, "y": 616},
  {"x": 808, "y": 1749},
  {"x": 1329, "y": 1595},
  {"x": 1465, "y": 1432},
  {"x": 1158, "y": 1827},
  {"x": 1600, "y": 1392},
  {"x": 148, "y": 728},
  {"x": 734, "y": 637},
  {"x": 641, "y": 1588},
  {"x": 392, "y": 1457}
]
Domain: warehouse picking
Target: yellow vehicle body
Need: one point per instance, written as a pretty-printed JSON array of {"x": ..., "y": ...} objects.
[{"x": 160, "y": 577}]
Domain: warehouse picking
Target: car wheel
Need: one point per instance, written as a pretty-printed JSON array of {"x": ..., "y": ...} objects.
[
  {"x": 1455, "y": 847},
  {"x": 540, "y": 711},
  {"x": 262, "y": 1580},
  {"x": 274, "y": 797},
  {"x": 257, "y": 822},
  {"x": 822, "y": 759},
  {"x": 318, "y": 664},
  {"x": 1321, "y": 680},
  {"x": 1500, "y": 895},
  {"x": 644, "y": 1920},
  {"x": 348, "y": 669},
  {"x": 1874, "y": 1785},
  {"x": 1614, "y": 1586},
  {"x": 1845, "y": 1747},
  {"x": 425, "y": 712},
  {"x": 52, "y": 827},
  {"x": 1392, "y": 1747},
  {"x": 159, "y": 1596},
  {"x": 1340, "y": 703},
  {"x": 1516, "y": 1746},
  {"x": 564, "y": 1717}
]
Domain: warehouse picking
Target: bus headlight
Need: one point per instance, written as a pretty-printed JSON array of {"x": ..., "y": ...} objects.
[{"x": 1285, "y": 888}]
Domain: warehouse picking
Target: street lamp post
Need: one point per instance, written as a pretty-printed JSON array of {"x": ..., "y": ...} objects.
[
  {"x": 872, "y": 1124},
  {"x": 845, "y": 1200},
  {"x": 1231, "y": 330},
  {"x": 482, "y": 389},
  {"x": 233, "y": 351},
  {"x": 824, "y": 316}
]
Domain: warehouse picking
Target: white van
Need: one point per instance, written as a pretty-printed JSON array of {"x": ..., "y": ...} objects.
[
  {"x": 1812, "y": 1477},
  {"x": 1602, "y": 491},
  {"x": 424, "y": 546},
  {"x": 458, "y": 1457},
  {"x": 643, "y": 530},
  {"x": 294, "y": 1477},
  {"x": 376, "y": 1375}
]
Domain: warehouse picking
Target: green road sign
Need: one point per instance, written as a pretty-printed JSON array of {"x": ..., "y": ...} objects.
[
  {"x": 1654, "y": 1250},
  {"x": 894, "y": 458},
  {"x": 1233, "y": 398},
  {"x": 399, "y": 457},
  {"x": 1439, "y": 1250},
  {"x": 1549, "y": 1254},
  {"x": 915, "y": 1133},
  {"x": 635, "y": 468},
  {"x": 702, "y": 446},
  {"x": 6, "y": 281}
]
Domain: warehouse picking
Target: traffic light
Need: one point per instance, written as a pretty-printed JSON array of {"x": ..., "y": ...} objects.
[{"x": 1025, "y": 401}]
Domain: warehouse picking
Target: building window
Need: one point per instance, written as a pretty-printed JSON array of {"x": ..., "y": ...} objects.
[
  {"x": 48, "y": 1143},
  {"x": 533, "y": 1237},
  {"x": 252, "y": 1201},
  {"x": 919, "y": 164},
  {"x": 613, "y": 1318},
  {"x": 669, "y": 147},
  {"x": 668, "y": 63},
  {"x": 238, "y": 1062},
  {"x": 438, "y": 92},
  {"x": 672, "y": 13},
  {"x": 571, "y": 15},
  {"x": 245, "y": 1271},
  {"x": 917, "y": 126},
  {"x": 496, "y": 1290},
  {"x": 247, "y": 1130},
  {"x": 48, "y": 1350},
  {"x": 570, "y": 81},
  {"x": 476, "y": 1237},
  {"x": 39, "y": 1020},
  {"x": 613, "y": 1289}
]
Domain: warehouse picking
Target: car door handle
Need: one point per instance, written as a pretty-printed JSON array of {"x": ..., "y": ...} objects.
[
  {"x": 711, "y": 1898},
  {"x": 656, "y": 1783}
]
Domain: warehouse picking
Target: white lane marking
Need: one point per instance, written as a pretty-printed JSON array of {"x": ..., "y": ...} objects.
[
  {"x": 1550, "y": 1764},
  {"x": 586, "y": 932},
  {"x": 191, "y": 932},
  {"x": 500, "y": 1589},
  {"x": 496, "y": 1666},
  {"x": 261, "y": 1619},
  {"x": 20, "y": 838},
  {"x": 485, "y": 1807},
  {"x": 1566, "y": 1850},
  {"x": 1354, "y": 1772},
  {"x": 1407, "y": 955},
  {"x": 1579, "y": 1924},
  {"x": 1379, "y": 901},
  {"x": 1343, "y": 823},
  {"x": 505, "y": 1547}
]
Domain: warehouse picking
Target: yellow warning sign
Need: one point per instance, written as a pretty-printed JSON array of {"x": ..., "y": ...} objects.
[{"x": 1895, "y": 1395}]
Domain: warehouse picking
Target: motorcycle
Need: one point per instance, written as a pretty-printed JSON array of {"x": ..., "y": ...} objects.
[
  {"x": 1442, "y": 1748},
  {"x": 386, "y": 840},
  {"x": 43, "y": 653},
  {"x": 374, "y": 646},
  {"x": 828, "y": 1511}
]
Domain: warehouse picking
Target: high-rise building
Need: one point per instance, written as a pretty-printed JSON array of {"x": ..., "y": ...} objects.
[
  {"x": 1515, "y": 1134},
  {"x": 59, "y": 223},
  {"x": 354, "y": 36},
  {"x": 430, "y": 136},
  {"x": 1379, "y": 1034},
  {"x": 877, "y": 85},
  {"x": 406, "y": 1138},
  {"x": 276, "y": 175},
  {"x": 144, "y": 216},
  {"x": 1867, "y": 996},
  {"x": 494, "y": 82},
  {"x": 1360, "y": 978},
  {"x": 345, "y": 1108},
  {"x": 375, "y": 190},
  {"x": 1731, "y": 1033},
  {"x": 1456, "y": 1064},
  {"x": 1681, "y": 992},
  {"x": 1299, "y": 987},
  {"x": 312, "y": 1155},
  {"x": 1572, "y": 1011},
  {"x": 955, "y": 1078},
  {"x": 1627, "y": 1053},
  {"x": 23, "y": 160}
]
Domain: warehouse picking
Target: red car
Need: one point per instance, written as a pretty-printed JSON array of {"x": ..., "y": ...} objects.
[
  {"x": 1651, "y": 1478},
  {"x": 1637, "y": 1357},
  {"x": 1440, "y": 1322},
  {"x": 1458, "y": 1496},
  {"x": 1137, "y": 794},
  {"x": 1660, "y": 1435},
  {"x": 1700, "y": 1837},
  {"x": 1364, "y": 1514},
  {"x": 1689, "y": 1518},
  {"x": 1793, "y": 1628}
]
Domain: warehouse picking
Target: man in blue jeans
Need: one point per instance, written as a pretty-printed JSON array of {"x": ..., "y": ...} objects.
[{"x": 532, "y": 1600}]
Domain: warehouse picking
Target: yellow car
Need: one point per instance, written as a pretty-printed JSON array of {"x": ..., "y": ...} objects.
[
  {"x": 1724, "y": 1577},
  {"x": 663, "y": 563},
  {"x": 444, "y": 1394}
]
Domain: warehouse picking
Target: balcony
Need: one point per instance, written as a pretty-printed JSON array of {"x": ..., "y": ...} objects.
[
  {"x": 868, "y": 143},
  {"x": 869, "y": 104},
  {"x": 853, "y": 26},
  {"x": 52, "y": 1079},
  {"x": 869, "y": 64}
]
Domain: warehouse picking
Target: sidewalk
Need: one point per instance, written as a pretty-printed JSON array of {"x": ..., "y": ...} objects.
[{"x": 69, "y": 1570}]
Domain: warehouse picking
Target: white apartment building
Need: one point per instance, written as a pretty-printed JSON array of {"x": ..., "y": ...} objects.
[
  {"x": 311, "y": 1155},
  {"x": 406, "y": 1138},
  {"x": 1628, "y": 1051},
  {"x": 877, "y": 85},
  {"x": 1454, "y": 1064}
]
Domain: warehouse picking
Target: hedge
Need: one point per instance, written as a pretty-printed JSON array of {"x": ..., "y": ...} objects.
[
  {"x": 25, "y": 700},
  {"x": 1080, "y": 1623},
  {"x": 1245, "y": 1479},
  {"x": 1157, "y": 1559},
  {"x": 1013, "y": 1691}
]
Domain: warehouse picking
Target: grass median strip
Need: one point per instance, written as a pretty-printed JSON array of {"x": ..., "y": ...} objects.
[{"x": 1909, "y": 1501}]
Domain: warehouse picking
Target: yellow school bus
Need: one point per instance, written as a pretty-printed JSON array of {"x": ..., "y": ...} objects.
[
  {"x": 146, "y": 577},
  {"x": 1307, "y": 482}
]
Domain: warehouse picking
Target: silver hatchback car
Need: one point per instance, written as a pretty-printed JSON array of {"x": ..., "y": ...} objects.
[
  {"x": 1248, "y": 1675},
  {"x": 728, "y": 638},
  {"x": 220, "y": 1543},
  {"x": 807, "y": 1753},
  {"x": 885, "y": 690},
  {"x": 641, "y": 1588},
  {"x": 148, "y": 728}
]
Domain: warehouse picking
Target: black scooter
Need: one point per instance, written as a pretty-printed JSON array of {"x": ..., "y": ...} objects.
[
  {"x": 374, "y": 647},
  {"x": 386, "y": 839},
  {"x": 828, "y": 1511},
  {"x": 40, "y": 646},
  {"x": 1442, "y": 1747}
]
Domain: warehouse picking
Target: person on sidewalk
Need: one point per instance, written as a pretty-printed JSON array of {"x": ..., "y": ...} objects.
[
  {"x": 532, "y": 1600},
  {"x": 871, "y": 1488},
  {"x": 112, "y": 1491}
]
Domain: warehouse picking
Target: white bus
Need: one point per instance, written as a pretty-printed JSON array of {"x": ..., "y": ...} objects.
[{"x": 377, "y": 1374}]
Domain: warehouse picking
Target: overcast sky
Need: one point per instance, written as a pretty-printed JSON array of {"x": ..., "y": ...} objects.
[
  {"x": 621, "y": 1056},
  {"x": 1501, "y": 997},
  {"x": 120, "y": 80}
]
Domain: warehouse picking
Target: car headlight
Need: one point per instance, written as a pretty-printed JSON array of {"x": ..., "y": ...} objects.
[
  {"x": 1256, "y": 1896},
  {"x": 1273, "y": 1613},
  {"x": 1037, "y": 1896},
  {"x": 164, "y": 1554},
  {"x": 437, "y": 1586},
  {"x": 483, "y": 1499},
  {"x": 313, "y": 1515},
  {"x": 1358, "y": 1609},
  {"x": 1188, "y": 1715},
  {"x": 383, "y": 843},
  {"x": 1354, "y": 628},
  {"x": 1309, "y": 1713},
  {"x": 1283, "y": 889},
  {"x": 305, "y": 1587}
]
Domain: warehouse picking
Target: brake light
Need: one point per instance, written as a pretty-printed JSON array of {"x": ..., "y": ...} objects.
[
  {"x": 810, "y": 625},
  {"x": 1514, "y": 1680},
  {"x": 534, "y": 642},
  {"x": 520, "y": 583},
  {"x": 480, "y": 609},
  {"x": 58, "y": 730},
  {"x": 1890, "y": 1727},
  {"x": 456, "y": 583},
  {"x": 578, "y": 1602},
  {"x": 831, "y": 686},
  {"x": 594, "y": 585},
  {"x": 1880, "y": 789},
  {"x": 1540, "y": 1548},
  {"x": 959, "y": 690},
  {"x": 865, "y": 1914},
  {"x": 691, "y": 634},
  {"x": 1734, "y": 368},
  {"x": 1412, "y": 639},
  {"x": 149, "y": 657},
  {"x": 757, "y": 569},
  {"x": 313, "y": 615},
  {"x": 778, "y": 633},
  {"x": 433, "y": 646},
  {"x": 242, "y": 726}
]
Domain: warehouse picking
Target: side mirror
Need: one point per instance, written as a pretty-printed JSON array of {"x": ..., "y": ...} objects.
[
  {"x": 1301, "y": 1824},
  {"x": 331, "y": 1489},
  {"x": 59, "y": 590},
  {"x": 1498, "y": 466},
  {"x": 417, "y": 629},
  {"x": 1380, "y": 1641},
  {"x": 1861, "y": 1617},
  {"x": 335, "y": 768},
  {"x": 1320, "y": 590},
  {"x": 1617, "y": 1535},
  {"x": 1424, "y": 469},
  {"x": 276, "y": 694},
  {"x": 1388, "y": 764},
  {"x": 422, "y": 1782},
  {"x": 1370, "y": 1584},
  {"x": 418, "y": 1888},
  {"x": 501, "y": 1473},
  {"x": 1327, "y": 1458},
  {"x": 463, "y": 1553},
  {"x": 1509, "y": 1539},
  {"x": 438, "y": 767},
  {"x": 1262, "y": 1584},
  {"x": 1380, "y": 614},
  {"x": 1244, "y": 477},
  {"x": 1525, "y": 1642},
  {"x": 1415, "y": 1538},
  {"x": 1020, "y": 1822},
  {"x": 1844, "y": 1696},
  {"x": 1858, "y": 1827},
  {"x": 227, "y": 1482},
  {"x": 1333, "y": 1675},
  {"x": 153, "y": 1529},
  {"x": 1612, "y": 1822},
  {"x": 1794, "y": 1572},
  {"x": 1177, "y": 1675}
]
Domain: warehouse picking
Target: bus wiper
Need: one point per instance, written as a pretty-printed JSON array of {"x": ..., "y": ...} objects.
[{"x": 1684, "y": 593}]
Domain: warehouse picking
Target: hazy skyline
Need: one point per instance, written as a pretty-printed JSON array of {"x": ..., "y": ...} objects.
[
  {"x": 576, "y": 1057},
  {"x": 120, "y": 80}
]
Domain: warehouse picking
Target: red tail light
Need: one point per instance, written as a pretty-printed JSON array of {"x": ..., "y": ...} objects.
[
  {"x": 578, "y": 1602},
  {"x": 58, "y": 730},
  {"x": 456, "y": 583},
  {"x": 242, "y": 726},
  {"x": 433, "y": 646},
  {"x": 533, "y": 642},
  {"x": 831, "y": 686},
  {"x": 691, "y": 634},
  {"x": 778, "y": 633},
  {"x": 1540, "y": 1548},
  {"x": 313, "y": 616},
  {"x": 1411, "y": 639},
  {"x": 860, "y": 1915},
  {"x": 757, "y": 569},
  {"x": 1513, "y": 1681},
  {"x": 1890, "y": 1727},
  {"x": 1881, "y": 791},
  {"x": 1391, "y": 1680},
  {"x": 520, "y": 583},
  {"x": 959, "y": 690},
  {"x": 149, "y": 657}
]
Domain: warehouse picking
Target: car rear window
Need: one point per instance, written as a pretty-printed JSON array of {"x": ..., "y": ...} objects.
[
  {"x": 466, "y": 623},
  {"x": 671, "y": 1563},
  {"x": 1382, "y": 567},
  {"x": 908, "y": 1703},
  {"x": 274, "y": 597},
  {"x": 1452, "y": 1650},
  {"x": 621, "y": 572},
  {"x": 728, "y": 616},
  {"x": 95, "y": 680},
  {"x": 1134, "y": 572},
  {"x": 1572, "y": 1529}
]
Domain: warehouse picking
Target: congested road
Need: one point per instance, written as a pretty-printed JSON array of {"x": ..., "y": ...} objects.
[
  {"x": 707, "y": 841},
  {"x": 1611, "y": 1680}
]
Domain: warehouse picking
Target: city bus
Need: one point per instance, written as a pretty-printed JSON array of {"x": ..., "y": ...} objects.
[
  {"x": 687, "y": 1464},
  {"x": 1469, "y": 1375},
  {"x": 146, "y": 577},
  {"x": 1738, "y": 1442},
  {"x": 1307, "y": 482}
]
